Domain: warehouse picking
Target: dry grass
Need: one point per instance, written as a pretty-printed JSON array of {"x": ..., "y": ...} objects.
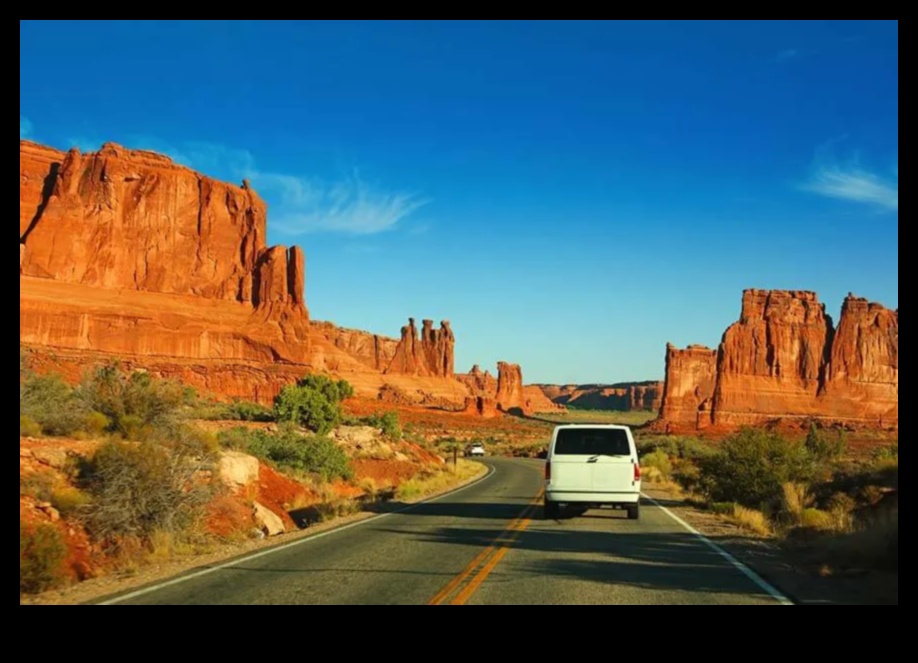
[
  {"x": 435, "y": 481},
  {"x": 751, "y": 520}
]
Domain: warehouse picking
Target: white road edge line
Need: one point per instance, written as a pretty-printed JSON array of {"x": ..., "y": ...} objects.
[
  {"x": 292, "y": 544},
  {"x": 742, "y": 568}
]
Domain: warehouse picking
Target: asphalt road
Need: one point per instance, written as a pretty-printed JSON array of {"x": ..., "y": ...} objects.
[{"x": 485, "y": 545}]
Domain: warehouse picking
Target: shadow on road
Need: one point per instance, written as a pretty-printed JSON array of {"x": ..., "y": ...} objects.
[{"x": 669, "y": 562}]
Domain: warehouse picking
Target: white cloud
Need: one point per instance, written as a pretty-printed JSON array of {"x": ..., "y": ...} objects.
[
  {"x": 25, "y": 127},
  {"x": 854, "y": 183},
  {"x": 349, "y": 205}
]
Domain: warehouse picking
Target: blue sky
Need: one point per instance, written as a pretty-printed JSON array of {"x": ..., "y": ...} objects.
[{"x": 571, "y": 196}]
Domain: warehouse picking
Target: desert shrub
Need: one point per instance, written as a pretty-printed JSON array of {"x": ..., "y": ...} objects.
[
  {"x": 660, "y": 462},
  {"x": 69, "y": 501},
  {"x": 42, "y": 553},
  {"x": 823, "y": 447},
  {"x": 50, "y": 402},
  {"x": 314, "y": 403},
  {"x": 25, "y": 366},
  {"x": 39, "y": 485},
  {"x": 751, "y": 467},
  {"x": 887, "y": 453},
  {"x": 289, "y": 450},
  {"x": 96, "y": 423},
  {"x": 388, "y": 423},
  {"x": 132, "y": 403},
  {"x": 138, "y": 488},
  {"x": 247, "y": 411},
  {"x": 28, "y": 427}
]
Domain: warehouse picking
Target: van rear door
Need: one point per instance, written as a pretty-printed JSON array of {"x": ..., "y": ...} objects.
[{"x": 593, "y": 459}]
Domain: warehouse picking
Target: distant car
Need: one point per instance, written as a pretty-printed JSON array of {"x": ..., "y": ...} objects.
[
  {"x": 476, "y": 451},
  {"x": 593, "y": 466}
]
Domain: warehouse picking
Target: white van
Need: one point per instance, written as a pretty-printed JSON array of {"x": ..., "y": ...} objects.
[{"x": 592, "y": 465}]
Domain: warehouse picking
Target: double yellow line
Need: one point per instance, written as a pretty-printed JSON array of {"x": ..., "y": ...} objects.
[{"x": 464, "y": 586}]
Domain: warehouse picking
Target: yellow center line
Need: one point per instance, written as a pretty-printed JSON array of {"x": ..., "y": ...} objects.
[{"x": 496, "y": 552}]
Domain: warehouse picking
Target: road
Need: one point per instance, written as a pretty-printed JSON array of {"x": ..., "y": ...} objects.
[{"x": 485, "y": 545}]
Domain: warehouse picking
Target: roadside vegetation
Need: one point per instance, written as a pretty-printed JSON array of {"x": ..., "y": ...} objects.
[
  {"x": 144, "y": 485},
  {"x": 810, "y": 494}
]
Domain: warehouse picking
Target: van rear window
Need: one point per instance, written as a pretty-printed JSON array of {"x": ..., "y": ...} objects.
[{"x": 592, "y": 442}]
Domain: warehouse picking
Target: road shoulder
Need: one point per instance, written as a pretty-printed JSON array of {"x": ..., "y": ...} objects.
[
  {"x": 100, "y": 588},
  {"x": 779, "y": 566}
]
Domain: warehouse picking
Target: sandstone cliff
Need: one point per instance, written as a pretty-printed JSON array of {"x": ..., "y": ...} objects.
[
  {"x": 134, "y": 220},
  {"x": 691, "y": 376},
  {"x": 125, "y": 254},
  {"x": 784, "y": 359}
]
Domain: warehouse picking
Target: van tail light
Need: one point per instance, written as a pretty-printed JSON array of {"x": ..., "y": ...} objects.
[
  {"x": 637, "y": 472},
  {"x": 548, "y": 470}
]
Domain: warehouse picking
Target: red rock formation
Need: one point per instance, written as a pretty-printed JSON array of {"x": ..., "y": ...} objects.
[
  {"x": 481, "y": 383},
  {"x": 862, "y": 378},
  {"x": 431, "y": 355},
  {"x": 135, "y": 220},
  {"x": 535, "y": 401},
  {"x": 691, "y": 376},
  {"x": 510, "y": 387},
  {"x": 784, "y": 360},
  {"x": 770, "y": 362},
  {"x": 481, "y": 406},
  {"x": 372, "y": 350}
]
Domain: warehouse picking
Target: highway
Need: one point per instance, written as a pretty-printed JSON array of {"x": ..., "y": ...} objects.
[{"x": 484, "y": 545}]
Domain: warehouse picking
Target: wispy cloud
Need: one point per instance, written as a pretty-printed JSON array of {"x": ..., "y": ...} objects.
[
  {"x": 786, "y": 55},
  {"x": 349, "y": 205},
  {"x": 25, "y": 127},
  {"x": 300, "y": 204},
  {"x": 852, "y": 181}
]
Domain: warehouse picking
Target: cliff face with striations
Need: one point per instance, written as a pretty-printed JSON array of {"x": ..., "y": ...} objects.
[
  {"x": 129, "y": 219},
  {"x": 862, "y": 378},
  {"x": 784, "y": 359},
  {"x": 125, "y": 254},
  {"x": 691, "y": 376}
]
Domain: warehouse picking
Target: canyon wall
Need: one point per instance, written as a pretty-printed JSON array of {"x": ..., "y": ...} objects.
[
  {"x": 125, "y": 254},
  {"x": 624, "y": 397},
  {"x": 506, "y": 392},
  {"x": 785, "y": 360}
]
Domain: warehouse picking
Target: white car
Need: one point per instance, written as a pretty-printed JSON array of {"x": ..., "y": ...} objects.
[
  {"x": 592, "y": 465},
  {"x": 476, "y": 451}
]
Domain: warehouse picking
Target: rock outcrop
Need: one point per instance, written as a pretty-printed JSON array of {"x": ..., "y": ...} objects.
[
  {"x": 430, "y": 355},
  {"x": 691, "y": 376},
  {"x": 624, "y": 397},
  {"x": 510, "y": 387},
  {"x": 784, "y": 359},
  {"x": 134, "y": 220},
  {"x": 481, "y": 383}
]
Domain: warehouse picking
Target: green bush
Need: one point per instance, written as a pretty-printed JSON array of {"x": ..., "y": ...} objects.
[
  {"x": 292, "y": 451},
  {"x": 138, "y": 489},
  {"x": 25, "y": 366},
  {"x": 246, "y": 411},
  {"x": 824, "y": 448},
  {"x": 659, "y": 461},
  {"x": 50, "y": 402},
  {"x": 751, "y": 468},
  {"x": 42, "y": 553},
  {"x": 314, "y": 403},
  {"x": 131, "y": 402},
  {"x": 388, "y": 423},
  {"x": 28, "y": 427}
]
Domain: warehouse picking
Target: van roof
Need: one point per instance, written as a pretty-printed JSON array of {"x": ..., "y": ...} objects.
[{"x": 612, "y": 426}]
